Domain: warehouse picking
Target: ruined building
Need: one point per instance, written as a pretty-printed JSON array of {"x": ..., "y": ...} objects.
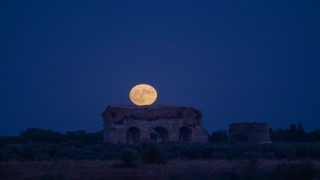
[
  {"x": 133, "y": 124},
  {"x": 249, "y": 132}
]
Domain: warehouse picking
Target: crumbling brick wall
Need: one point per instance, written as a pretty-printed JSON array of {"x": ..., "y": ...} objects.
[
  {"x": 133, "y": 124},
  {"x": 249, "y": 132}
]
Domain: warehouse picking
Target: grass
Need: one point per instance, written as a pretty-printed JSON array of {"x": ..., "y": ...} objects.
[{"x": 97, "y": 169}]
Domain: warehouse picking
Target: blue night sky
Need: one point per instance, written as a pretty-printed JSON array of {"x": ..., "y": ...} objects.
[{"x": 62, "y": 62}]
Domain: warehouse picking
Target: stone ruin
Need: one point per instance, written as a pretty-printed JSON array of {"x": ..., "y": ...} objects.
[
  {"x": 249, "y": 132},
  {"x": 162, "y": 123}
]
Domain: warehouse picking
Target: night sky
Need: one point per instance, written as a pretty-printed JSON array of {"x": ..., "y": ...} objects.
[{"x": 62, "y": 62}]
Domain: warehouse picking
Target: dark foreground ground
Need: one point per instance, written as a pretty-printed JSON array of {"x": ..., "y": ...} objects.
[{"x": 190, "y": 169}]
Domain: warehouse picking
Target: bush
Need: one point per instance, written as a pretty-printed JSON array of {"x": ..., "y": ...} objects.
[
  {"x": 2, "y": 174},
  {"x": 151, "y": 153},
  {"x": 159, "y": 152},
  {"x": 253, "y": 155},
  {"x": 235, "y": 152},
  {"x": 305, "y": 170},
  {"x": 226, "y": 174},
  {"x": 129, "y": 157}
]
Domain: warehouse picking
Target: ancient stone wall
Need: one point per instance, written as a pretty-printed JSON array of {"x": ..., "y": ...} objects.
[
  {"x": 133, "y": 124},
  {"x": 249, "y": 132}
]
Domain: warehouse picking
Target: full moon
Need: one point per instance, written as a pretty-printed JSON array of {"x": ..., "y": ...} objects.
[{"x": 143, "y": 94}]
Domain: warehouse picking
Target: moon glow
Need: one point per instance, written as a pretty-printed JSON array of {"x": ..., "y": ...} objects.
[{"x": 143, "y": 94}]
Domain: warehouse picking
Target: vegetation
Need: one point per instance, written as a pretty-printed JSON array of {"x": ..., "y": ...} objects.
[
  {"x": 159, "y": 153},
  {"x": 193, "y": 169},
  {"x": 294, "y": 133},
  {"x": 152, "y": 153},
  {"x": 130, "y": 157},
  {"x": 36, "y": 135},
  {"x": 40, "y": 144},
  {"x": 292, "y": 149}
]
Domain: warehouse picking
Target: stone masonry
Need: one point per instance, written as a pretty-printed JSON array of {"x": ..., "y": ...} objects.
[
  {"x": 162, "y": 123},
  {"x": 249, "y": 132}
]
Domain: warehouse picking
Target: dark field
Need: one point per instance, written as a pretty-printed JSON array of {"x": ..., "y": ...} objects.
[
  {"x": 44, "y": 154},
  {"x": 160, "y": 161},
  {"x": 195, "y": 169}
]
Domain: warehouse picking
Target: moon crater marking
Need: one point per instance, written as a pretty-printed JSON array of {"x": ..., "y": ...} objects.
[{"x": 143, "y": 94}]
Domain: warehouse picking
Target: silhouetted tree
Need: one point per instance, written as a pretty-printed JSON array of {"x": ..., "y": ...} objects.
[
  {"x": 218, "y": 136},
  {"x": 294, "y": 133},
  {"x": 41, "y": 136}
]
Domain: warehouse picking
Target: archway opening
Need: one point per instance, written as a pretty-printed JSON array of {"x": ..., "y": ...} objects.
[
  {"x": 185, "y": 134},
  {"x": 133, "y": 135},
  {"x": 159, "y": 134}
]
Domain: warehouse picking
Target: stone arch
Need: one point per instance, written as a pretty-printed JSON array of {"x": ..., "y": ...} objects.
[
  {"x": 133, "y": 135},
  {"x": 159, "y": 134},
  {"x": 113, "y": 114},
  {"x": 185, "y": 134}
]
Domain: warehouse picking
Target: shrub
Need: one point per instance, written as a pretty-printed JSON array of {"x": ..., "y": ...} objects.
[
  {"x": 253, "y": 155},
  {"x": 51, "y": 176},
  {"x": 129, "y": 157},
  {"x": 285, "y": 151},
  {"x": 2, "y": 174},
  {"x": 28, "y": 151},
  {"x": 235, "y": 152},
  {"x": 224, "y": 173},
  {"x": 177, "y": 175},
  {"x": 304, "y": 170},
  {"x": 151, "y": 153}
]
